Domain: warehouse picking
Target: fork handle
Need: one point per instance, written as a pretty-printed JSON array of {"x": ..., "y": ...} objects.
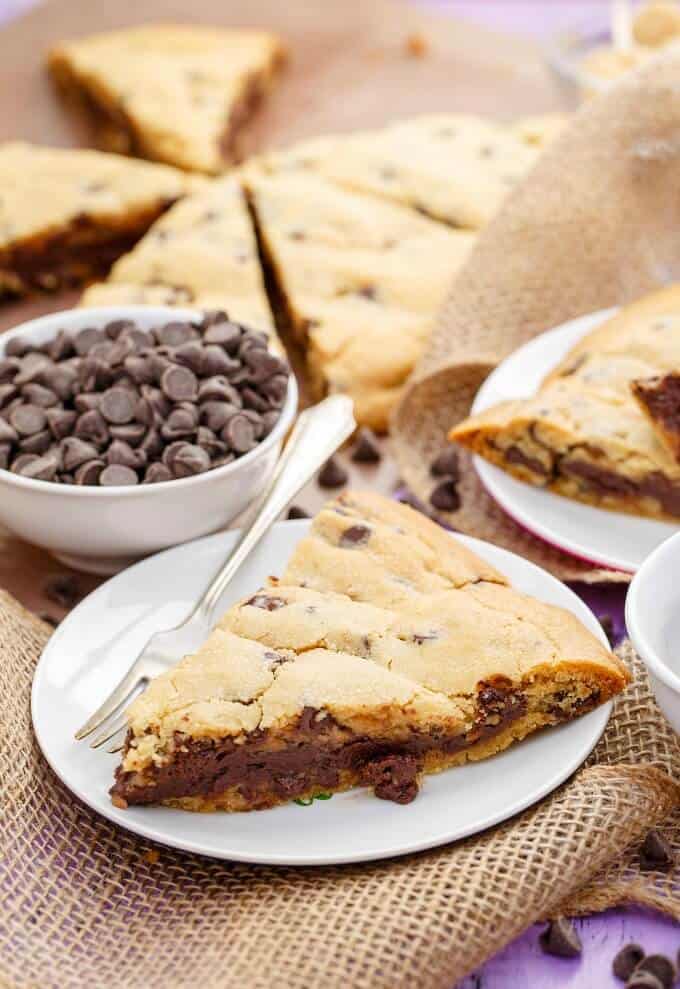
[{"x": 317, "y": 434}]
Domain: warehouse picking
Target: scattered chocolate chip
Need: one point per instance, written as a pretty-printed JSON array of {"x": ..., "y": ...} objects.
[
  {"x": 295, "y": 512},
  {"x": 63, "y": 589},
  {"x": 116, "y": 474},
  {"x": 661, "y": 967},
  {"x": 561, "y": 939},
  {"x": 626, "y": 961},
  {"x": 644, "y": 980},
  {"x": 366, "y": 449},
  {"x": 656, "y": 853},
  {"x": 268, "y": 602},
  {"x": 446, "y": 464},
  {"x": 356, "y": 535},
  {"x": 49, "y": 619},
  {"x": 445, "y": 496},
  {"x": 332, "y": 474}
]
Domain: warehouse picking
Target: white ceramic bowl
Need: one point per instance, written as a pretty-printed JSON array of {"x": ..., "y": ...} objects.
[
  {"x": 101, "y": 530},
  {"x": 653, "y": 620}
]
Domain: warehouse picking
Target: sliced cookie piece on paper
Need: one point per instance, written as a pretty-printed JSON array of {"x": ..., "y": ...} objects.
[
  {"x": 172, "y": 93},
  {"x": 201, "y": 253},
  {"x": 358, "y": 279},
  {"x": 452, "y": 167},
  {"x": 66, "y": 215}
]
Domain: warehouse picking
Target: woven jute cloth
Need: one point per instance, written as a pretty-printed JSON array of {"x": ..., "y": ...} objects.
[
  {"x": 84, "y": 904},
  {"x": 595, "y": 224}
]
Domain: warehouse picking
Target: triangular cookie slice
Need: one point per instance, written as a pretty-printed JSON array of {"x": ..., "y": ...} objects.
[
  {"x": 455, "y": 168},
  {"x": 201, "y": 253},
  {"x": 359, "y": 281},
  {"x": 583, "y": 434},
  {"x": 172, "y": 93},
  {"x": 303, "y": 689},
  {"x": 66, "y": 215}
]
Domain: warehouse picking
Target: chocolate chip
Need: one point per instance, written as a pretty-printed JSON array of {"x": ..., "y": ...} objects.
[
  {"x": 656, "y": 853},
  {"x": 75, "y": 452},
  {"x": 87, "y": 402},
  {"x": 180, "y": 424},
  {"x": 20, "y": 462},
  {"x": 206, "y": 439},
  {"x": 275, "y": 389},
  {"x": 94, "y": 374},
  {"x": 445, "y": 496},
  {"x": 131, "y": 432},
  {"x": 295, "y": 512},
  {"x": 92, "y": 426},
  {"x": 446, "y": 464},
  {"x": 117, "y": 474},
  {"x": 366, "y": 449},
  {"x": 179, "y": 384},
  {"x": 268, "y": 602},
  {"x": 114, "y": 329},
  {"x": 627, "y": 960},
  {"x": 121, "y": 453},
  {"x": 262, "y": 364},
  {"x": 61, "y": 347},
  {"x": 117, "y": 406},
  {"x": 5, "y": 455},
  {"x": 17, "y": 347},
  {"x": 28, "y": 419},
  {"x": 60, "y": 422},
  {"x": 217, "y": 362},
  {"x": 356, "y": 535},
  {"x": 152, "y": 444},
  {"x": 218, "y": 389},
  {"x": 332, "y": 474},
  {"x": 607, "y": 623},
  {"x": 560, "y": 939},
  {"x": 253, "y": 400},
  {"x": 170, "y": 451},
  {"x": 175, "y": 334},
  {"x": 139, "y": 369},
  {"x": 156, "y": 473},
  {"x": 136, "y": 340},
  {"x": 190, "y": 459},
  {"x": 224, "y": 334},
  {"x": 49, "y": 619},
  {"x": 90, "y": 472},
  {"x": 43, "y": 468},
  {"x": 7, "y": 432},
  {"x": 8, "y": 369},
  {"x": 38, "y": 395},
  {"x": 660, "y": 967},
  {"x": 644, "y": 980},
  {"x": 37, "y": 443},
  {"x": 215, "y": 415},
  {"x": 192, "y": 355},
  {"x": 7, "y": 393},
  {"x": 86, "y": 339},
  {"x": 239, "y": 433},
  {"x": 63, "y": 589},
  {"x": 269, "y": 420},
  {"x": 153, "y": 407}
]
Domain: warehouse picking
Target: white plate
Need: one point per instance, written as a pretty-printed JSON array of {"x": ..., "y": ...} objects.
[
  {"x": 91, "y": 649},
  {"x": 609, "y": 539}
]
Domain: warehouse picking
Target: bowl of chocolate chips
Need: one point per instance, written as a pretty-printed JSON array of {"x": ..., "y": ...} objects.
[{"x": 125, "y": 430}]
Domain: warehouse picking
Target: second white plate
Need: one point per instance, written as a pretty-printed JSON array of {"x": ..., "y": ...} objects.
[
  {"x": 93, "y": 647},
  {"x": 609, "y": 539}
]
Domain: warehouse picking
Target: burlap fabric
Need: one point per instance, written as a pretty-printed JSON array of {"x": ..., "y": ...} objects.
[
  {"x": 596, "y": 223},
  {"x": 83, "y": 904}
]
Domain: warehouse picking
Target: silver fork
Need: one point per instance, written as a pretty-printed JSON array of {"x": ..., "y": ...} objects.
[{"x": 317, "y": 434}]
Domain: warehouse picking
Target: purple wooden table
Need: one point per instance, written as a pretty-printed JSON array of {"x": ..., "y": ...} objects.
[{"x": 522, "y": 964}]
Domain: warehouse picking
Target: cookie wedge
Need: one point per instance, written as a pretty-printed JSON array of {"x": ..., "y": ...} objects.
[
  {"x": 173, "y": 93},
  {"x": 584, "y": 435},
  {"x": 201, "y": 253},
  {"x": 455, "y": 168},
  {"x": 386, "y": 651},
  {"x": 358, "y": 282},
  {"x": 66, "y": 215}
]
